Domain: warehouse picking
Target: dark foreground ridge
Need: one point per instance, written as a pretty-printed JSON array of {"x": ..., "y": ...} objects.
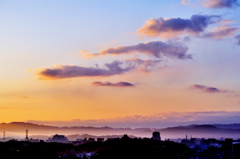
[
  {"x": 123, "y": 148},
  {"x": 119, "y": 148}
]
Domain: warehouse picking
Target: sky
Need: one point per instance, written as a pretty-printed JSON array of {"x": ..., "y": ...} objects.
[{"x": 120, "y": 63}]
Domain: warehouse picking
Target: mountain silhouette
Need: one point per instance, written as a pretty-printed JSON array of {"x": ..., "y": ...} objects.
[{"x": 198, "y": 131}]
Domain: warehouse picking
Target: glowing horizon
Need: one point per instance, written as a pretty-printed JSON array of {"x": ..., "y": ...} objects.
[{"x": 110, "y": 61}]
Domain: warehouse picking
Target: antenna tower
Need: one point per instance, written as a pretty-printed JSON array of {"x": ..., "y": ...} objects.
[
  {"x": 3, "y": 135},
  {"x": 26, "y": 135}
]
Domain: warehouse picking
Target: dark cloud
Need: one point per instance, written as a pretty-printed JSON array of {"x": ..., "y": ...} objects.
[
  {"x": 208, "y": 89},
  {"x": 174, "y": 27},
  {"x": 238, "y": 39},
  {"x": 156, "y": 49},
  {"x": 109, "y": 84},
  {"x": 221, "y": 32},
  {"x": 114, "y": 68},
  {"x": 65, "y": 71},
  {"x": 219, "y": 3}
]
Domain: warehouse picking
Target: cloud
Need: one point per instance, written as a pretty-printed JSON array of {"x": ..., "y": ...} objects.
[
  {"x": 175, "y": 27},
  {"x": 233, "y": 95},
  {"x": 66, "y": 71},
  {"x": 188, "y": 3},
  {"x": 158, "y": 120},
  {"x": 208, "y": 89},
  {"x": 114, "y": 68},
  {"x": 238, "y": 39},
  {"x": 215, "y": 4},
  {"x": 145, "y": 65},
  {"x": 221, "y": 32},
  {"x": 157, "y": 49},
  {"x": 227, "y": 21},
  {"x": 109, "y": 84},
  {"x": 87, "y": 55}
]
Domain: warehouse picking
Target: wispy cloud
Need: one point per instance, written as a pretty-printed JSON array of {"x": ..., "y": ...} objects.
[
  {"x": 143, "y": 65},
  {"x": 208, "y": 89},
  {"x": 215, "y": 4},
  {"x": 85, "y": 54},
  {"x": 188, "y": 3},
  {"x": 175, "y": 27},
  {"x": 157, "y": 49},
  {"x": 65, "y": 71},
  {"x": 157, "y": 120},
  {"x": 109, "y": 69},
  {"x": 212, "y": 4},
  {"x": 221, "y": 32},
  {"x": 109, "y": 84},
  {"x": 233, "y": 95},
  {"x": 238, "y": 39}
]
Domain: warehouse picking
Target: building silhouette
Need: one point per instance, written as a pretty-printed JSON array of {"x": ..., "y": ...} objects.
[
  {"x": 156, "y": 135},
  {"x": 58, "y": 138}
]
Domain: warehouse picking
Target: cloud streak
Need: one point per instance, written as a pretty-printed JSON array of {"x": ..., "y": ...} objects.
[
  {"x": 158, "y": 120},
  {"x": 110, "y": 69},
  {"x": 109, "y": 84},
  {"x": 216, "y": 4},
  {"x": 145, "y": 65},
  {"x": 221, "y": 32},
  {"x": 186, "y": 2},
  {"x": 175, "y": 27},
  {"x": 208, "y": 89},
  {"x": 238, "y": 39},
  {"x": 157, "y": 49},
  {"x": 65, "y": 71}
]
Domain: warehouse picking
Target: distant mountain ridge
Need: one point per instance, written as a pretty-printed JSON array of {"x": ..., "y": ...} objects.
[
  {"x": 199, "y": 131},
  {"x": 228, "y": 126},
  {"x": 20, "y": 127},
  {"x": 74, "y": 137}
]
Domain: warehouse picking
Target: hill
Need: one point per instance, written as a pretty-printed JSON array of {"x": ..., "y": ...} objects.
[{"x": 197, "y": 131}]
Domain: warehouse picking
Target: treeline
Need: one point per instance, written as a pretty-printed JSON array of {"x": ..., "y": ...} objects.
[
  {"x": 116, "y": 148},
  {"x": 120, "y": 148}
]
